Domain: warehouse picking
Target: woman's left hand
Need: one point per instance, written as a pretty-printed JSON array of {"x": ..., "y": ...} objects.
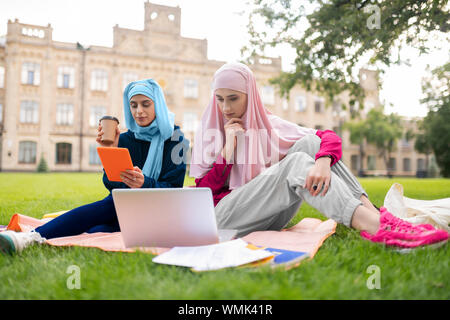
[
  {"x": 133, "y": 178},
  {"x": 319, "y": 176}
]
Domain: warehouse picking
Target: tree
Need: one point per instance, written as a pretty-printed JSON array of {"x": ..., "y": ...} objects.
[
  {"x": 378, "y": 129},
  {"x": 435, "y": 127},
  {"x": 42, "y": 166},
  {"x": 422, "y": 144},
  {"x": 339, "y": 35},
  {"x": 438, "y": 128},
  {"x": 358, "y": 133},
  {"x": 383, "y": 131}
]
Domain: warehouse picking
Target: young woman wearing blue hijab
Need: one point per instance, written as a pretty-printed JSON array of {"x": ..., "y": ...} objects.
[{"x": 153, "y": 142}]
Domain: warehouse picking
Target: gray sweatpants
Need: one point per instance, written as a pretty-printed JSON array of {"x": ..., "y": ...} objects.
[{"x": 271, "y": 200}]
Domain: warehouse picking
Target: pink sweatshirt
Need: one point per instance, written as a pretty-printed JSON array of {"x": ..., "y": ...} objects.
[{"x": 216, "y": 178}]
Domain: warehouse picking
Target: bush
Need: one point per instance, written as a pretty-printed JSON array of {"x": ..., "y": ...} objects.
[{"x": 42, "y": 166}]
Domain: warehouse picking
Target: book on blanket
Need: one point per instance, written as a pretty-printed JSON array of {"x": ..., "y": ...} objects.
[
  {"x": 286, "y": 258},
  {"x": 281, "y": 258}
]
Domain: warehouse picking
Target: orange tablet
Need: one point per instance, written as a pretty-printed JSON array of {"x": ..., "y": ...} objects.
[{"x": 114, "y": 161}]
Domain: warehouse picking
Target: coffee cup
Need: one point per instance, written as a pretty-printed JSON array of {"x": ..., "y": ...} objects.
[{"x": 109, "y": 125}]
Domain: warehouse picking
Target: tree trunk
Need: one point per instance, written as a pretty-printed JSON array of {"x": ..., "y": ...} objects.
[
  {"x": 386, "y": 163},
  {"x": 362, "y": 154}
]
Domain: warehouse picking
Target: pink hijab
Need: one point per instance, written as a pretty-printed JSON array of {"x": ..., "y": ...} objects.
[{"x": 267, "y": 137}]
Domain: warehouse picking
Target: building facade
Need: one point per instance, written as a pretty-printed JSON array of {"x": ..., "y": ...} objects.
[{"x": 52, "y": 93}]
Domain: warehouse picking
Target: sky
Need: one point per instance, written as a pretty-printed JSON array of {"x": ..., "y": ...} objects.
[{"x": 222, "y": 23}]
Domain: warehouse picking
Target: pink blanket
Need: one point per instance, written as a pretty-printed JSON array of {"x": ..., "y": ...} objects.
[{"x": 307, "y": 236}]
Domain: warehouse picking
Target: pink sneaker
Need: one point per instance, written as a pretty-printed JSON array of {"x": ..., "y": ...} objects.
[
  {"x": 399, "y": 233},
  {"x": 402, "y": 224}
]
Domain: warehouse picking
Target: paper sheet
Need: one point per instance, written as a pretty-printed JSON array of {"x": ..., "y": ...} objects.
[{"x": 212, "y": 257}]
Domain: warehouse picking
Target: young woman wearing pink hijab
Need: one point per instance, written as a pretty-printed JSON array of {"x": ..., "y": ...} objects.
[{"x": 261, "y": 168}]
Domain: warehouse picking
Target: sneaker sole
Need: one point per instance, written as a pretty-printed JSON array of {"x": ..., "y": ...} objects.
[
  {"x": 7, "y": 245},
  {"x": 432, "y": 246}
]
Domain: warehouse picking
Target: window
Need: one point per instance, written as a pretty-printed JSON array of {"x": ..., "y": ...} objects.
[
  {"x": 33, "y": 32},
  {"x": 64, "y": 114},
  {"x": 129, "y": 77},
  {"x": 99, "y": 80},
  {"x": 2, "y": 76},
  {"x": 268, "y": 95},
  {"x": 404, "y": 142},
  {"x": 27, "y": 152},
  {"x": 354, "y": 162},
  {"x": 337, "y": 130},
  {"x": 211, "y": 90},
  {"x": 285, "y": 104},
  {"x": 371, "y": 162},
  {"x": 337, "y": 106},
  {"x": 318, "y": 105},
  {"x": 420, "y": 164},
  {"x": 406, "y": 164},
  {"x": 95, "y": 115},
  {"x": 190, "y": 121},
  {"x": 66, "y": 77},
  {"x": 31, "y": 73},
  {"x": 63, "y": 153},
  {"x": 29, "y": 112},
  {"x": 93, "y": 155},
  {"x": 354, "y": 108},
  {"x": 392, "y": 164},
  {"x": 369, "y": 105},
  {"x": 191, "y": 88},
  {"x": 300, "y": 103}
]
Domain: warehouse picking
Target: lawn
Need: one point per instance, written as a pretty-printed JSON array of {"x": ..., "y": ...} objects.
[{"x": 338, "y": 271}]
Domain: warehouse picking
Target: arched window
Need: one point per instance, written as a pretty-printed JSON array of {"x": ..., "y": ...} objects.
[
  {"x": 63, "y": 153},
  {"x": 406, "y": 164},
  {"x": 27, "y": 152}
]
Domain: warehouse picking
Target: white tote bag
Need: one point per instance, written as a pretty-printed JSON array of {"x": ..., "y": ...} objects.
[{"x": 434, "y": 212}]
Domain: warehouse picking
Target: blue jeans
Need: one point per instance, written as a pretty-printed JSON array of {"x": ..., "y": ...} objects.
[{"x": 98, "y": 216}]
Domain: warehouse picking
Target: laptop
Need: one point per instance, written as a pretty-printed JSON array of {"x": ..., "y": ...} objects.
[{"x": 168, "y": 217}]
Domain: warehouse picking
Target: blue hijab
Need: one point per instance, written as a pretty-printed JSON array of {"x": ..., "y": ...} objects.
[{"x": 158, "y": 131}]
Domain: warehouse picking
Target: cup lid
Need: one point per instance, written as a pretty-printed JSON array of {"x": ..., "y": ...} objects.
[{"x": 109, "y": 118}]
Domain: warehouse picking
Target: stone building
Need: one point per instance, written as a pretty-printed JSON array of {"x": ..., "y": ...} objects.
[{"x": 53, "y": 93}]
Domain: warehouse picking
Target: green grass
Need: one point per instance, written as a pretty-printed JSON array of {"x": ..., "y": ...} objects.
[{"x": 338, "y": 271}]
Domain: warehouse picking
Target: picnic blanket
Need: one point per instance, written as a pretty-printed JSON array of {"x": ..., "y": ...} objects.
[{"x": 307, "y": 236}]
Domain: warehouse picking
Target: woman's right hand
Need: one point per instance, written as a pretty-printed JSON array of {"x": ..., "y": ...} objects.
[
  {"x": 232, "y": 128},
  {"x": 99, "y": 138}
]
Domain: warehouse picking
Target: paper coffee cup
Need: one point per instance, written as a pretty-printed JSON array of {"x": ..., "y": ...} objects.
[{"x": 109, "y": 125}]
